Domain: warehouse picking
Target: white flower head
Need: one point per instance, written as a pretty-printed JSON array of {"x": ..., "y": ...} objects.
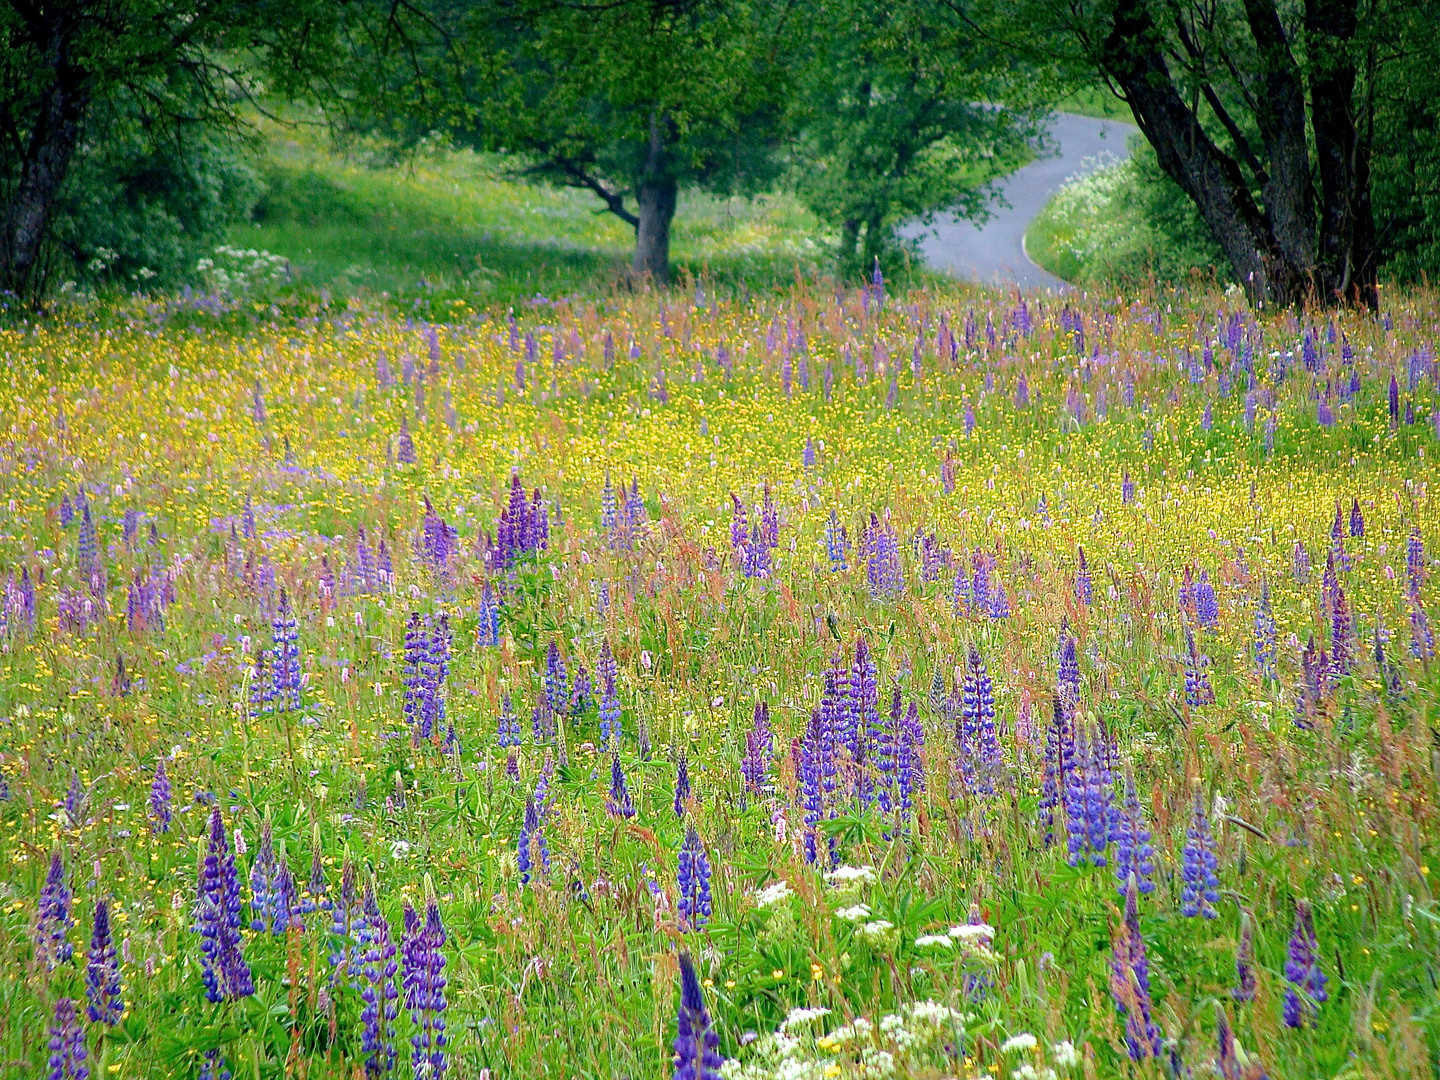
[
  {"x": 772, "y": 894},
  {"x": 877, "y": 930},
  {"x": 927, "y": 940},
  {"x": 851, "y": 876},
  {"x": 1065, "y": 1055},
  {"x": 853, "y": 914},
  {"x": 800, "y": 1017},
  {"x": 1023, "y": 1041},
  {"x": 978, "y": 934}
]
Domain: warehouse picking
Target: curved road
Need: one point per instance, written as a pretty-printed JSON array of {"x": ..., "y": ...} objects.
[{"x": 993, "y": 253}]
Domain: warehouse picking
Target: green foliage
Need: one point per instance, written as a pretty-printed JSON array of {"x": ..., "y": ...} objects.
[
  {"x": 1124, "y": 225},
  {"x": 456, "y": 224},
  {"x": 889, "y": 122},
  {"x": 141, "y": 206}
]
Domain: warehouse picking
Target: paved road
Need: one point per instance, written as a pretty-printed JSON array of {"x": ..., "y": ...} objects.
[{"x": 994, "y": 253}]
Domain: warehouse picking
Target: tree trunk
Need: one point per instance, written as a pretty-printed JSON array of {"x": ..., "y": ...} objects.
[
  {"x": 655, "y": 194},
  {"x": 1132, "y": 56},
  {"x": 47, "y": 158},
  {"x": 1280, "y": 115},
  {"x": 1347, "y": 225}
]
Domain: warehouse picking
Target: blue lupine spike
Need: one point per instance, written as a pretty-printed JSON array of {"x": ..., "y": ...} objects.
[
  {"x": 693, "y": 883},
  {"x": 1201, "y": 885},
  {"x": 103, "y": 991},
  {"x": 1306, "y": 991},
  {"x": 619, "y": 804},
  {"x": 697, "y": 1046}
]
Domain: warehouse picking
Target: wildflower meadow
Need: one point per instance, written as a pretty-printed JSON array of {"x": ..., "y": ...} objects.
[{"x": 939, "y": 683}]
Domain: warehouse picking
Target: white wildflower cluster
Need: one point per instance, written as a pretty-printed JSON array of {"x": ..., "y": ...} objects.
[
  {"x": 854, "y": 913},
  {"x": 849, "y": 880},
  {"x": 971, "y": 939},
  {"x": 1062, "y": 1056},
  {"x": 241, "y": 270},
  {"x": 910, "y": 1040},
  {"x": 772, "y": 894}
]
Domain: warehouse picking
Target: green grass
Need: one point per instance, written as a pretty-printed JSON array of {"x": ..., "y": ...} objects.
[
  {"x": 459, "y": 220},
  {"x": 1098, "y": 102}
]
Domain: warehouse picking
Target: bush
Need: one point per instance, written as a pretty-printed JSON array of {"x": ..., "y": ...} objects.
[
  {"x": 138, "y": 212},
  {"x": 1124, "y": 223}
]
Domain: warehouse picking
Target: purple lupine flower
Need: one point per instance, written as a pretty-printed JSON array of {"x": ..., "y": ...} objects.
[
  {"x": 434, "y": 671},
  {"x": 609, "y": 699},
  {"x": 1302, "y": 971},
  {"x": 1127, "y": 489},
  {"x": 1084, "y": 590},
  {"x": 347, "y": 924},
  {"x": 67, "y": 1044},
  {"x": 1197, "y": 675},
  {"x": 1101, "y": 816},
  {"x": 217, "y": 920},
  {"x": 816, "y": 760},
  {"x": 759, "y": 745},
  {"x": 999, "y": 601},
  {"x": 975, "y": 734},
  {"x": 1200, "y": 892},
  {"x": 697, "y": 1046},
  {"x": 160, "y": 799},
  {"x": 1393, "y": 400},
  {"x": 1022, "y": 393},
  {"x": 682, "y": 785},
  {"x": 405, "y": 444},
  {"x": 557, "y": 681},
  {"x": 862, "y": 720},
  {"x": 1414, "y": 562},
  {"x": 581, "y": 689},
  {"x": 1068, "y": 669},
  {"x": 1264, "y": 650},
  {"x": 437, "y": 539},
  {"x": 1342, "y": 637},
  {"x": 1053, "y": 783},
  {"x": 1300, "y": 564},
  {"x": 883, "y": 574},
  {"x": 1207, "y": 607},
  {"x": 423, "y": 981},
  {"x": 909, "y": 759},
  {"x": 103, "y": 992},
  {"x": 1245, "y": 981},
  {"x": 508, "y": 724},
  {"x": 1087, "y": 803},
  {"x": 619, "y": 803},
  {"x": 54, "y": 919},
  {"x": 1134, "y": 854},
  {"x": 1130, "y": 983},
  {"x": 412, "y": 679},
  {"x": 529, "y": 835},
  {"x": 317, "y": 892},
  {"x": 692, "y": 883},
  {"x": 487, "y": 631},
  {"x": 979, "y": 581},
  {"x": 1357, "y": 519},
  {"x": 837, "y": 544},
  {"x": 266, "y": 910},
  {"x": 285, "y": 657},
  {"x": 378, "y": 990}
]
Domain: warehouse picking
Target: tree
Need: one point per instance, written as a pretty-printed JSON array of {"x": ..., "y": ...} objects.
[
  {"x": 64, "y": 61},
  {"x": 896, "y": 113},
  {"x": 1261, "y": 112},
  {"x": 628, "y": 99}
]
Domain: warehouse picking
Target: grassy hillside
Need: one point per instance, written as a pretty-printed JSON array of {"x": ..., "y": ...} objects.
[{"x": 454, "y": 219}]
